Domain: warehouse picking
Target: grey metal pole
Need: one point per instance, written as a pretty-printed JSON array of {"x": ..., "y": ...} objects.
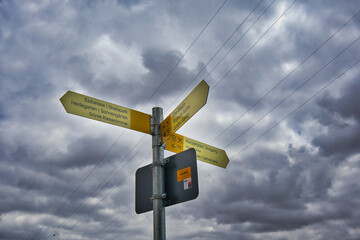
[{"x": 158, "y": 176}]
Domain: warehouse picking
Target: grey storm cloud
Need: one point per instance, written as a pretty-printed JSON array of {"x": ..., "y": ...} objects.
[
  {"x": 292, "y": 174},
  {"x": 342, "y": 121}
]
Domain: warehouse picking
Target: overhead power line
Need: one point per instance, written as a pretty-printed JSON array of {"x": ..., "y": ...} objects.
[
  {"x": 357, "y": 13},
  {"x": 247, "y": 52},
  {"x": 295, "y": 90},
  {"x": 78, "y": 187},
  {"x": 102, "y": 184},
  {"x": 191, "y": 45},
  {"x": 287, "y": 76},
  {"x": 223, "y": 45},
  {"x": 288, "y": 115},
  {"x": 296, "y": 109},
  {"x": 106, "y": 195},
  {"x": 220, "y": 61}
]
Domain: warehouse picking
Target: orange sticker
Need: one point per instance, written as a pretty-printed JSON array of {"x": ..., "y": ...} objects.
[{"x": 183, "y": 174}]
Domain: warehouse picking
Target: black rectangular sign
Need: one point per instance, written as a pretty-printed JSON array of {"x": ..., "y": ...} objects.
[{"x": 181, "y": 181}]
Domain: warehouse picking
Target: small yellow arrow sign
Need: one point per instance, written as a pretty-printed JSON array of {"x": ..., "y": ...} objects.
[
  {"x": 99, "y": 110},
  {"x": 206, "y": 153},
  {"x": 185, "y": 110}
]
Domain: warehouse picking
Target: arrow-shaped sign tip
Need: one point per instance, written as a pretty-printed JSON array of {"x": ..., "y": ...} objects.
[{"x": 63, "y": 100}]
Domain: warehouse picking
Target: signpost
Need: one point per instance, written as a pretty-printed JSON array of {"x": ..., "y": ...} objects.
[
  {"x": 164, "y": 182},
  {"x": 206, "y": 153},
  {"x": 89, "y": 107},
  {"x": 185, "y": 110}
]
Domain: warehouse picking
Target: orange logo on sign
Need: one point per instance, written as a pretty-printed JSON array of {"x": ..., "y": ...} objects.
[{"x": 183, "y": 174}]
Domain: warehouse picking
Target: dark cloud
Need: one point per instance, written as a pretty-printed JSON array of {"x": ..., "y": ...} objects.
[
  {"x": 156, "y": 61},
  {"x": 83, "y": 154},
  {"x": 272, "y": 193},
  {"x": 128, "y": 3},
  {"x": 19, "y": 231},
  {"x": 343, "y": 105},
  {"x": 217, "y": 235},
  {"x": 342, "y": 121},
  {"x": 345, "y": 144}
]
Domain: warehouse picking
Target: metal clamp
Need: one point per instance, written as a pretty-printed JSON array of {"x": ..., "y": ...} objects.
[
  {"x": 158, "y": 196},
  {"x": 161, "y": 164}
]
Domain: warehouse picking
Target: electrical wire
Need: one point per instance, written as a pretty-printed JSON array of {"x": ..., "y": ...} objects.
[
  {"x": 244, "y": 55},
  {"x": 309, "y": 79},
  {"x": 116, "y": 228},
  {"x": 78, "y": 187},
  {"x": 192, "y": 44},
  {"x": 247, "y": 52},
  {"x": 223, "y": 45},
  {"x": 290, "y": 73},
  {"x": 306, "y": 59},
  {"x": 103, "y": 183},
  {"x": 296, "y": 109},
  {"x": 108, "y": 193},
  {"x": 289, "y": 114},
  {"x": 300, "y": 86}
]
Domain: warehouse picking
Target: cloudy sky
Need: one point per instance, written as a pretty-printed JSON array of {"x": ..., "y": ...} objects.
[{"x": 284, "y": 104}]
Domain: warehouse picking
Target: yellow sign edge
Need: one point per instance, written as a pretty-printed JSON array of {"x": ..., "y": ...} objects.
[
  {"x": 199, "y": 87},
  {"x": 139, "y": 121},
  {"x": 176, "y": 148}
]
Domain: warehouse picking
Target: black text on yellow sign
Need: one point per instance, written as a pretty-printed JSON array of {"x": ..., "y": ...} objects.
[
  {"x": 185, "y": 110},
  {"x": 103, "y": 111},
  {"x": 204, "y": 152}
]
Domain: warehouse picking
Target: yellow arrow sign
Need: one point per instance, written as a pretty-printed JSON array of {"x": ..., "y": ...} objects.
[
  {"x": 185, "y": 110},
  {"x": 99, "y": 110},
  {"x": 206, "y": 153}
]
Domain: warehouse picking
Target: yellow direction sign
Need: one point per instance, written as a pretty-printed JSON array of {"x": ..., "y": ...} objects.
[
  {"x": 185, "y": 110},
  {"x": 206, "y": 153},
  {"x": 96, "y": 109}
]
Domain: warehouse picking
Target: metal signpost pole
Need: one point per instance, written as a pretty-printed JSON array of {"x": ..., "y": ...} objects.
[{"x": 158, "y": 176}]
